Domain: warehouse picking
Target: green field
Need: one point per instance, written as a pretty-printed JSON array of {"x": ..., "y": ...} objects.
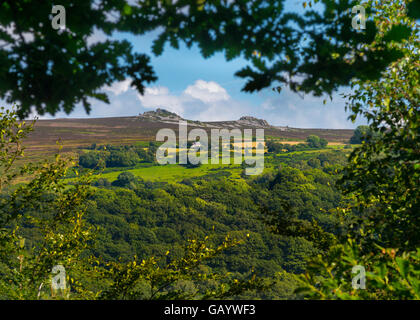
[
  {"x": 171, "y": 172},
  {"x": 176, "y": 172}
]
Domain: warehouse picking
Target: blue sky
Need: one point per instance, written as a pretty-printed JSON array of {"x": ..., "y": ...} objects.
[{"x": 206, "y": 89}]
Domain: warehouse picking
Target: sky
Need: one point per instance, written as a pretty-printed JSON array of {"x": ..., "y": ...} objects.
[{"x": 207, "y": 90}]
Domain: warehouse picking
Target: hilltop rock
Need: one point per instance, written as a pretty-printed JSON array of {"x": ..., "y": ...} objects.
[
  {"x": 160, "y": 115},
  {"x": 252, "y": 121}
]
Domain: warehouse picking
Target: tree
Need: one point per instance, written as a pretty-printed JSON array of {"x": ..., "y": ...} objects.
[
  {"x": 314, "y": 163},
  {"x": 89, "y": 159},
  {"x": 390, "y": 275},
  {"x": 146, "y": 279},
  {"x": 323, "y": 142},
  {"x": 314, "y": 141},
  {"x": 383, "y": 173},
  {"x": 323, "y": 49},
  {"x": 381, "y": 183},
  {"x": 122, "y": 158},
  {"x": 362, "y": 133},
  {"x": 26, "y": 268},
  {"x": 53, "y": 70},
  {"x": 124, "y": 179},
  {"x": 101, "y": 182},
  {"x": 413, "y": 9}
]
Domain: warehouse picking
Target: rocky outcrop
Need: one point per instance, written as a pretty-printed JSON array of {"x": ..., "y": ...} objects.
[
  {"x": 160, "y": 115},
  {"x": 255, "y": 122}
]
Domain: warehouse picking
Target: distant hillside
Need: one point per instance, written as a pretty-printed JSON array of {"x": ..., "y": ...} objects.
[{"x": 74, "y": 133}]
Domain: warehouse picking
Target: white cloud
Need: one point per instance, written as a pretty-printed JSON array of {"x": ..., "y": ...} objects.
[
  {"x": 207, "y": 92},
  {"x": 155, "y": 91},
  {"x": 118, "y": 88},
  {"x": 203, "y": 100}
]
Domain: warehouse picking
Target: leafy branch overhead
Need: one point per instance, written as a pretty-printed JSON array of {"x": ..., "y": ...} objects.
[
  {"x": 55, "y": 70},
  {"x": 52, "y": 70}
]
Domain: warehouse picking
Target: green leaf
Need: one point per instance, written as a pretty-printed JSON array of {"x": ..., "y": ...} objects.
[
  {"x": 127, "y": 9},
  {"x": 397, "y": 33},
  {"x": 403, "y": 264},
  {"x": 413, "y": 9}
]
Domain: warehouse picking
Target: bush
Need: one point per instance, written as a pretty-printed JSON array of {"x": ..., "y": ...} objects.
[
  {"x": 314, "y": 141},
  {"x": 101, "y": 182},
  {"x": 362, "y": 133},
  {"x": 124, "y": 179},
  {"x": 119, "y": 158},
  {"x": 89, "y": 160}
]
